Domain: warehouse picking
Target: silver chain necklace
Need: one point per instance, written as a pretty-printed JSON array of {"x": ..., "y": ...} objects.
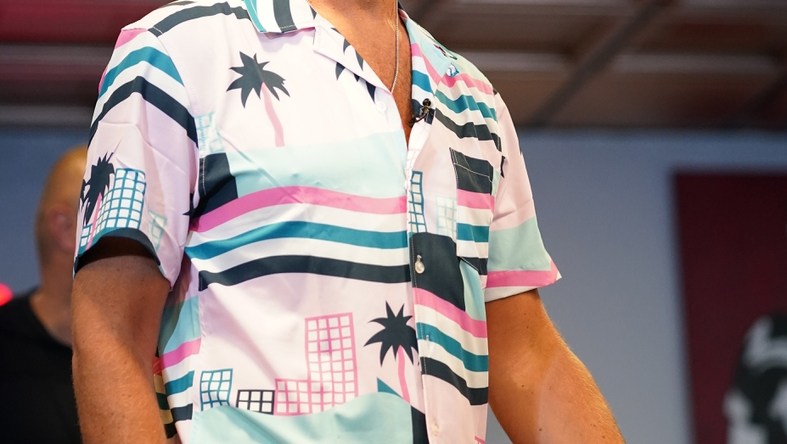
[{"x": 396, "y": 42}]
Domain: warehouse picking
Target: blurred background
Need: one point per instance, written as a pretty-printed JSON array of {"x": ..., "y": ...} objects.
[
  {"x": 626, "y": 109},
  {"x": 710, "y": 64}
]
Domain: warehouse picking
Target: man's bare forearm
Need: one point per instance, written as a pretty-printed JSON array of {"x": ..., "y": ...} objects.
[
  {"x": 117, "y": 304},
  {"x": 539, "y": 390}
]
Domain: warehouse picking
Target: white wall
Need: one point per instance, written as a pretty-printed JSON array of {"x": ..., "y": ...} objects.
[
  {"x": 605, "y": 208},
  {"x": 604, "y": 202}
]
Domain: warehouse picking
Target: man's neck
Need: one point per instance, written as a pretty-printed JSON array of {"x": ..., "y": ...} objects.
[
  {"x": 380, "y": 9},
  {"x": 365, "y": 5},
  {"x": 374, "y": 29}
]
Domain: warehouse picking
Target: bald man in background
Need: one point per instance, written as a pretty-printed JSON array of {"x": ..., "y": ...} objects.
[{"x": 35, "y": 327}]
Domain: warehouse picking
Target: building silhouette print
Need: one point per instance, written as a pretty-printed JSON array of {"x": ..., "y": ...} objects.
[
  {"x": 256, "y": 400},
  {"x": 120, "y": 208},
  {"x": 215, "y": 386},
  {"x": 415, "y": 204},
  {"x": 332, "y": 368}
]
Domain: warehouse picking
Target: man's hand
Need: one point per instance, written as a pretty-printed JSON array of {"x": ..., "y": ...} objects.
[{"x": 538, "y": 389}]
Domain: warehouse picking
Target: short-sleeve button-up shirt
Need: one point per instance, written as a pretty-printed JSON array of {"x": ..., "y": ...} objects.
[{"x": 328, "y": 276}]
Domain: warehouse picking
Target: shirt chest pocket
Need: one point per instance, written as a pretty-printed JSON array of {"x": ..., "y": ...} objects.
[{"x": 477, "y": 175}]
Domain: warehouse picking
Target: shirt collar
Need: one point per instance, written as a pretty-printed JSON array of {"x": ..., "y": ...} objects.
[
  {"x": 280, "y": 16},
  {"x": 437, "y": 60}
]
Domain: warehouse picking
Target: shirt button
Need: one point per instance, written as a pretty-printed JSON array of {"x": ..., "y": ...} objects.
[
  {"x": 419, "y": 266},
  {"x": 382, "y": 107}
]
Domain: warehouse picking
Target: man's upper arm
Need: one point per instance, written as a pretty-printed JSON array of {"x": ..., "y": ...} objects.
[
  {"x": 119, "y": 288},
  {"x": 117, "y": 301}
]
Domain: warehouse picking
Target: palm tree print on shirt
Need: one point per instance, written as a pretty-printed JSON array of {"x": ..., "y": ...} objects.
[
  {"x": 94, "y": 189},
  {"x": 253, "y": 76},
  {"x": 396, "y": 335}
]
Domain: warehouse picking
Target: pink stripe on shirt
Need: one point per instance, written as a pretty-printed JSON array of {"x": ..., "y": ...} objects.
[
  {"x": 479, "y": 201},
  {"x": 293, "y": 195},
  {"x": 127, "y": 35},
  {"x": 428, "y": 299},
  {"x": 178, "y": 355},
  {"x": 523, "y": 278},
  {"x": 450, "y": 81}
]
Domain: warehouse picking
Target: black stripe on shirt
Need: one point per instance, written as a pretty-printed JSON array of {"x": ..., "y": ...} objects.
[
  {"x": 469, "y": 129},
  {"x": 125, "y": 233},
  {"x": 305, "y": 264},
  {"x": 283, "y": 15},
  {"x": 156, "y": 97},
  {"x": 185, "y": 15},
  {"x": 161, "y": 399},
  {"x": 182, "y": 413},
  {"x": 479, "y": 263},
  {"x": 432, "y": 367},
  {"x": 170, "y": 430},
  {"x": 418, "y": 422},
  {"x": 180, "y": 3}
]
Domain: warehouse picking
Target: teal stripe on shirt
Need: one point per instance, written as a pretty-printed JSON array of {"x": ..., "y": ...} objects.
[
  {"x": 471, "y": 361},
  {"x": 476, "y": 233},
  {"x": 421, "y": 80},
  {"x": 302, "y": 230},
  {"x": 251, "y": 6},
  {"x": 152, "y": 56},
  {"x": 179, "y": 385},
  {"x": 464, "y": 103}
]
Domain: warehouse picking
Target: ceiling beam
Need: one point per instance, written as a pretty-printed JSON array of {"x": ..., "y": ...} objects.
[
  {"x": 69, "y": 21},
  {"x": 768, "y": 95},
  {"x": 425, "y": 12},
  {"x": 45, "y": 116},
  {"x": 30, "y": 62},
  {"x": 598, "y": 55}
]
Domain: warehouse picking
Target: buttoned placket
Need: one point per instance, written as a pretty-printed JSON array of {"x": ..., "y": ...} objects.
[
  {"x": 419, "y": 261},
  {"x": 329, "y": 42}
]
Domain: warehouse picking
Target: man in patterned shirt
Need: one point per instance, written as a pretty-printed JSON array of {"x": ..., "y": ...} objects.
[{"x": 314, "y": 223}]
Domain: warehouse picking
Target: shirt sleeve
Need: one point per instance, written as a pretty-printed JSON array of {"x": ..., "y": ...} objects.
[
  {"x": 518, "y": 260},
  {"x": 142, "y": 161}
]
